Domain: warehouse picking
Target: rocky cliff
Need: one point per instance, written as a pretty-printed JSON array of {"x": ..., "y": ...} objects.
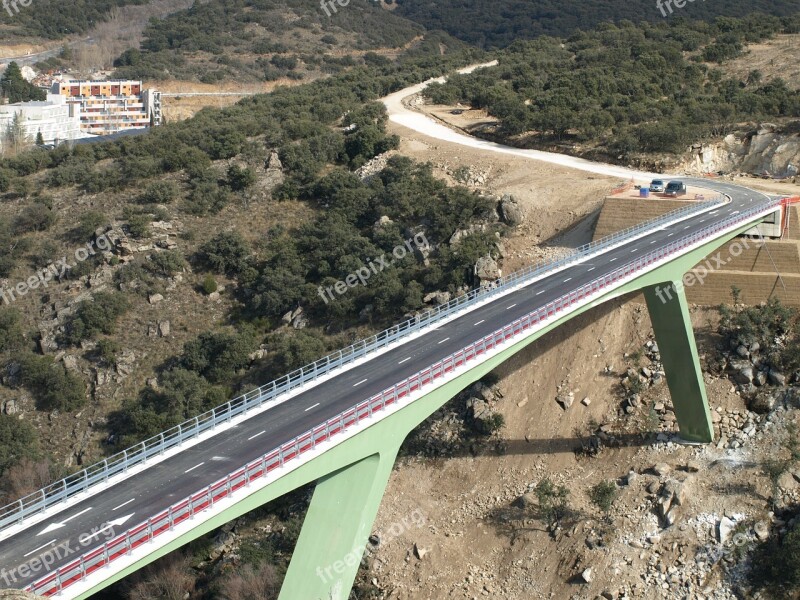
[{"x": 767, "y": 149}]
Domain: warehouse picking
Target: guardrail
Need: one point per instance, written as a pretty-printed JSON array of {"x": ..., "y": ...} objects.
[
  {"x": 121, "y": 462},
  {"x": 144, "y": 532}
]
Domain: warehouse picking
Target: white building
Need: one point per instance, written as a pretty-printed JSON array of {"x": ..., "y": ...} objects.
[{"x": 55, "y": 118}]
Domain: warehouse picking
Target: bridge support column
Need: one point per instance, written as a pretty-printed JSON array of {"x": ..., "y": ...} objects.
[
  {"x": 672, "y": 324},
  {"x": 336, "y": 530}
]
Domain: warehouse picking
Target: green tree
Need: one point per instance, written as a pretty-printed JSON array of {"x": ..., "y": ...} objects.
[{"x": 14, "y": 87}]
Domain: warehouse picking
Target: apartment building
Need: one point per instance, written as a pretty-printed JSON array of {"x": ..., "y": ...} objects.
[
  {"x": 56, "y": 119},
  {"x": 111, "y": 106}
]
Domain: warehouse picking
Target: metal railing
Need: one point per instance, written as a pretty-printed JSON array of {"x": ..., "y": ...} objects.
[
  {"x": 166, "y": 520},
  {"x": 101, "y": 472}
]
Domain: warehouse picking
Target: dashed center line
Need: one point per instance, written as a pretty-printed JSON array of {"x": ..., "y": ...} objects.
[
  {"x": 443, "y": 341},
  {"x": 409, "y": 358},
  {"x": 510, "y": 307},
  {"x": 39, "y": 548},
  {"x": 359, "y": 383},
  {"x": 612, "y": 260},
  {"x": 194, "y": 467},
  {"x": 568, "y": 279},
  {"x": 312, "y": 407},
  {"x": 479, "y": 322},
  {"x": 256, "y": 435},
  {"x": 592, "y": 269},
  {"x": 634, "y": 250},
  {"x": 123, "y": 504},
  {"x": 540, "y": 293}
]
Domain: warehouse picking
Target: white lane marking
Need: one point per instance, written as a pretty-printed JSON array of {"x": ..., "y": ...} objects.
[
  {"x": 409, "y": 358},
  {"x": 194, "y": 467},
  {"x": 568, "y": 279},
  {"x": 670, "y": 235},
  {"x": 39, "y": 548},
  {"x": 479, "y": 322},
  {"x": 359, "y": 383},
  {"x": 540, "y": 293},
  {"x": 311, "y": 407},
  {"x": 653, "y": 242},
  {"x": 687, "y": 227},
  {"x": 54, "y": 526},
  {"x": 256, "y": 435},
  {"x": 510, "y": 307},
  {"x": 443, "y": 341},
  {"x": 123, "y": 504},
  {"x": 634, "y": 250},
  {"x": 612, "y": 260},
  {"x": 592, "y": 269},
  {"x": 110, "y": 524}
]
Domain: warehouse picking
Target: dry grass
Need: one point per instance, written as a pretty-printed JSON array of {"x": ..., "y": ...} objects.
[{"x": 779, "y": 57}]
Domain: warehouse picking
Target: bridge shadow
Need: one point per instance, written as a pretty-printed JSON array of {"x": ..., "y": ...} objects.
[{"x": 501, "y": 447}]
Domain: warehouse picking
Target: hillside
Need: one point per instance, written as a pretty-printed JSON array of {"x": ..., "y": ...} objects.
[
  {"x": 268, "y": 40},
  {"x": 628, "y": 93},
  {"x": 498, "y": 23}
]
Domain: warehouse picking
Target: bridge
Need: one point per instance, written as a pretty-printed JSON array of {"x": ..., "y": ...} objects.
[{"x": 341, "y": 421}]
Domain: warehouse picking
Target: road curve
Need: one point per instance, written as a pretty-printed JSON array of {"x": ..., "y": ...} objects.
[{"x": 155, "y": 489}]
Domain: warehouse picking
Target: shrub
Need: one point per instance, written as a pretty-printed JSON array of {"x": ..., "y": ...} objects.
[
  {"x": 108, "y": 351},
  {"x": 94, "y": 316},
  {"x": 36, "y": 217},
  {"x": 603, "y": 496},
  {"x": 217, "y": 356},
  {"x": 51, "y": 384},
  {"x": 240, "y": 178},
  {"x": 166, "y": 263},
  {"x": 88, "y": 224},
  {"x": 552, "y": 500},
  {"x": 227, "y": 253},
  {"x": 159, "y": 192},
  {"x": 11, "y": 334},
  {"x": 139, "y": 226},
  {"x": 18, "y": 440},
  {"x": 209, "y": 284}
]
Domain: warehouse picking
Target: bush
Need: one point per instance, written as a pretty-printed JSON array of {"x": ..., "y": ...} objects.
[
  {"x": 36, "y": 217},
  {"x": 53, "y": 387},
  {"x": 139, "y": 226},
  {"x": 159, "y": 192},
  {"x": 11, "y": 334},
  {"x": 227, "y": 253},
  {"x": 88, "y": 224},
  {"x": 18, "y": 440},
  {"x": 603, "y": 496},
  {"x": 217, "y": 356},
  {"x": 166, "y": 263},
  {"x": 94, "y": 316},
  {"x": 552, "y": 500},
  {"x": 240, "y": 178},
  {"x": 209, "y": 285},
  {"x": 108, "y": 351}
]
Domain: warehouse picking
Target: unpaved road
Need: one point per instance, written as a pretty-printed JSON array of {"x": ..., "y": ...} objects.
[{"x": 403, "y": 115}]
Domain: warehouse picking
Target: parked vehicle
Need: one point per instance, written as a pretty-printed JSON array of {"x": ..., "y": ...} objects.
[
  {"x": 676, "y": 188},
  {"x": 657, "y": 186}
]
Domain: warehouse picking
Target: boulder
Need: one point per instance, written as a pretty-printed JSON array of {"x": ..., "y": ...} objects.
[
  {"x": 487, "y": 269},
  {"x": 511, "y": 212}
]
